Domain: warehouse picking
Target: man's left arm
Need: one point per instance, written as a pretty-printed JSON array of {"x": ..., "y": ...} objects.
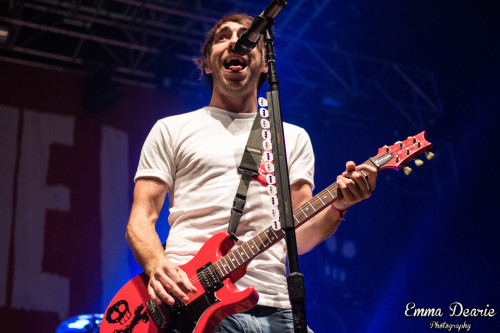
[{"x": 356, "y": 184}]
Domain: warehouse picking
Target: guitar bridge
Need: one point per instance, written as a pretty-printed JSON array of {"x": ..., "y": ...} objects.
[
  {"x": 156, "y": 314},
  {"x": 209, "y": 278}
]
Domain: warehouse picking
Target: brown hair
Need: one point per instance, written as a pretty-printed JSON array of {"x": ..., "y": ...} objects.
[{"x": 206, "y": 49}]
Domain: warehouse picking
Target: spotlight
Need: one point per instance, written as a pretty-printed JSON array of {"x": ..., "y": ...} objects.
[{"x": 4, "y": 35}]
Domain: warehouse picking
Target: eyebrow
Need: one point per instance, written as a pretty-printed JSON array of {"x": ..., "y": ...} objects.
[{"x": 226, "y": 28}]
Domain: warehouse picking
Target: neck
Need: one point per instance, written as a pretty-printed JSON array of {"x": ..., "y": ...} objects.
[{"x": 238, "y": 103}]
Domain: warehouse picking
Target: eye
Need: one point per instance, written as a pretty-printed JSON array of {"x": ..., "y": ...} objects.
[{"x": 221, "y": 37}]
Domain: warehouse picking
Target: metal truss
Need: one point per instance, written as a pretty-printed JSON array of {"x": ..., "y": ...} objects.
[{"x": 138, "y": 41}]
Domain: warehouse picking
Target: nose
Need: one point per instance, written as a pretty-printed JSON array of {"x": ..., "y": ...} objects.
[{"x": 233, "y": 40}]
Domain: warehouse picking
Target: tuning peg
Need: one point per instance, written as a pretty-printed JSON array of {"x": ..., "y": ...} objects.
[
  {"x": 407, "y": 170},
  {"x": 386, "y": 147},
  {"x": 418, "y": 162},
  {"x": 429, "y": 155}
]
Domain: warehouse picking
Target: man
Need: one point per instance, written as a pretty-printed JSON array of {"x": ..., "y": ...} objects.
[{"x": 194, "y": 158}]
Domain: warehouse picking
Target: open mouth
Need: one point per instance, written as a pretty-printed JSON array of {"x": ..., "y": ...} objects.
[{"x": 235, "y": 64}]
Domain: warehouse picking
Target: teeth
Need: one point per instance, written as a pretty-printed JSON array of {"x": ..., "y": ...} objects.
[{"x": 234, "y": 61}]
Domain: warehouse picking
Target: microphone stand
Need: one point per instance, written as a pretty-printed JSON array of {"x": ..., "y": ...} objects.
[{"x": 295, "y": 279}]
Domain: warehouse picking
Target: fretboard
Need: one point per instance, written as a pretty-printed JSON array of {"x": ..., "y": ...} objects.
[{"x": 244, "y": 253}]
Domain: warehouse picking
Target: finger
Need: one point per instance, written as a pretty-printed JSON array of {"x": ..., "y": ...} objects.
[
  {"x": 355, "y": 188},
  {"x": 349, "y": 189},
  {"x": 350, "y": 166},
  {"x": 360, "y": 178},
  {"x": 371, "y": 174},
  {"x": 170, "y": 283},
  {"x": 181, "y": 280},
  {"x": 159, "y": 294},
  {"x": 190, "y": 288},
  {"x": 153, "y": 296},
  {"x": 181, "y": 295}
]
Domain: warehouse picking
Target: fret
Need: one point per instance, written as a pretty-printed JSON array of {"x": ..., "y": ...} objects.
[
  {"x": 264, "y": 242},
  {"x": 243, "y": 260},
  {"x": 228, "y": 263},
  {"x": 305, "y": 215},
  {"x": 320, "y": 200},
  {"x": 296, "y": 219},
  {"x": 324, "y": 197},
  {"x": 258, "y": 235},
  {"x": 224, "y": 266},
  {"x": 333, "y": 197},
  {"x": 243, "y": 252},
  {"x": 274, "y": 232},
  {"x": 250, "y": 248},
  {"x": 306, "y": 208},
  {"x": 255, "y": 244},
  {"x": 218, "y": 267},
  {"x": 267, "y": 235},
  {"x": 232, "y": 259},
  {"x": 309, "y": 202}
]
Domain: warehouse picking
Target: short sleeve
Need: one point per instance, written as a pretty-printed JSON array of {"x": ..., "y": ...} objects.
[
  {"x": 157, "y": 155},
  {"x": 301, "y": 163}
]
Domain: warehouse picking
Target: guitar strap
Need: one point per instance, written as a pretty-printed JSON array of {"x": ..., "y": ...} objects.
[{"x": 249, "y": 167}]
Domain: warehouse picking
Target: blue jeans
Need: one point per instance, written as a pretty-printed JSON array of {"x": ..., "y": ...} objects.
[{"x": 261, "y": 319}]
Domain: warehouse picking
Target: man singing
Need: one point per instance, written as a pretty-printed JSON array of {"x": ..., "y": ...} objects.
[{"x": 194, "y": 158}]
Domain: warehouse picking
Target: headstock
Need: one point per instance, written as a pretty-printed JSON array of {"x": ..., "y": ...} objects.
[{"x": 402, "y": 152}]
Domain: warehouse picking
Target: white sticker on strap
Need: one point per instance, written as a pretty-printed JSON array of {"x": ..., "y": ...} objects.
[
  {"x": 264, "y": 123},
  {"x": 269, "y": 167},
  {"x": 267, "y": 156},
  {"x": 267, "y": 144},
  {"x": 275, "y": 213},
  {"x": 270, "y": 179},
  {"x": 262, "y": 101},
  {"x": 276, "y": 225},
  {"x": 264, "y": 113},
  {"x": 266, "y": 134},
  {"x": 274, "y": 200},
  {"x": 272, "y": 190}
]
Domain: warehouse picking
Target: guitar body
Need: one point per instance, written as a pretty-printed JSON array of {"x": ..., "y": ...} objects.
[{"x": 128, "y": 311}]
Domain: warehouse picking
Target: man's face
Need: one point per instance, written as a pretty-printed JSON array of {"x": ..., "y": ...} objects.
[{"x": 233, "y": 74}]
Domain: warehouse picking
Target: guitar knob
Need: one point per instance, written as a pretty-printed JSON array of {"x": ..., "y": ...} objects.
[
  {"x": 429, "y": 155},
  {"x": 418, "y": 162},
  {"x": 407, "y": 170},
  {"x": 414, "y": 139}
]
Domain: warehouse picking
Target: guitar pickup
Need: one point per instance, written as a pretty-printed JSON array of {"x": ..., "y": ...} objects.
[{"x": 209, "y": 278}]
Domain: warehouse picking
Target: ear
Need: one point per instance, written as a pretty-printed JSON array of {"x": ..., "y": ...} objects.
[
  {"x": 207, "y": 69},
  {"x": 263, "y": 67}
]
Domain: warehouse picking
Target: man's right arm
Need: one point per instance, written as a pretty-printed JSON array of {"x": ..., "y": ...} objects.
[{"x": 149, "y": 195}]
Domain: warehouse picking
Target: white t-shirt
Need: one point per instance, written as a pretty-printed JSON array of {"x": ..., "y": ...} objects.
[{"x": 197, "y": 154}]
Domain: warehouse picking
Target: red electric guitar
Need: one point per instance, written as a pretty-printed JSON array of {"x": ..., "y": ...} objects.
[{"x": 216, "y": 267}]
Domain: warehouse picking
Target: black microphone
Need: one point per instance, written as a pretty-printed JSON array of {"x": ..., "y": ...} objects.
[{"x": 249, "y": 39}]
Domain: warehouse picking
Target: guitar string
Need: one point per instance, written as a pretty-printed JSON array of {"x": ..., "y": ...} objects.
[
  {"x": 312, "y": 202},
  {"x": 298, "y": 210}
]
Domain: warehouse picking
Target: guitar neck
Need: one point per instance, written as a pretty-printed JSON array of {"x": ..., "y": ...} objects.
[{"x": 244, "y": 253}]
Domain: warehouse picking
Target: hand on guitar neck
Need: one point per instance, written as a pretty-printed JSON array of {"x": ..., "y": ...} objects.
[{"x": 356, "y": 183}]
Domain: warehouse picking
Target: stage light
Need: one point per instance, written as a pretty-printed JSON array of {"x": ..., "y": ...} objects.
[
  {"x": 4, "y": 35},
  {"x": 335, "y": 100},
  {"x": 82, "y": 324}
]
